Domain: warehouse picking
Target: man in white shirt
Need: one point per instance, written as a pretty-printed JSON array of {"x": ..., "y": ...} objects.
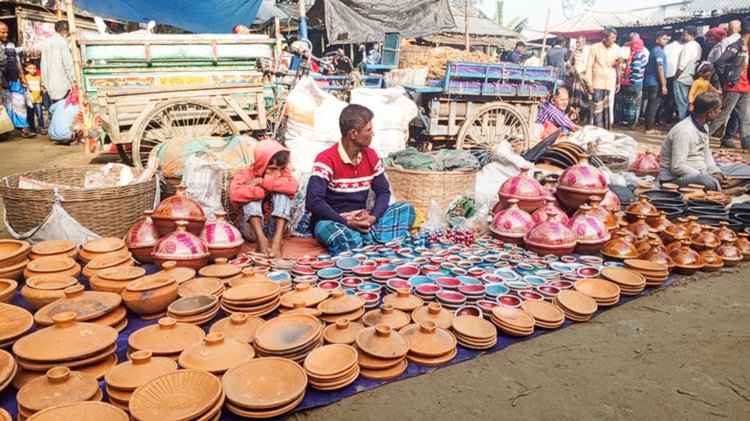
[
  {"x": 672, "y": 52},
  {"x": 683, "y": 78},
  {"x": 58, "y": 76}
]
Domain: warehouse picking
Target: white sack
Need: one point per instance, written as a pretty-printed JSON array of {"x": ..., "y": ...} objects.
[
  {"x": 505, "y": 164},
  {"x": 393, "y": 112}
]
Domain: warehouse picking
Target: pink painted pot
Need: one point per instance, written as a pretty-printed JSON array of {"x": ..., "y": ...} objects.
[
  {"x": 590, "y": 232},
  {"x": 187, "y": 249},
  {"x": 540, "y": 214},
  {"x": 142, "y": 238},
  {"x": 223, "y": 238},
  {"x": 611, "y": 202},
  {"x": 528, "y": 191},
  {"x": 579, "y": 182},
  {"x": 510, "y": 225},
  {"x": 179, "y": 207},
  {"x": 646, "y": 164},
  {"x": 550, "y": 237}
]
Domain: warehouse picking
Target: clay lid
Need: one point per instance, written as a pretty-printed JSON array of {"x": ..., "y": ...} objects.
[
  {"x": 598, "y": 289},
  {"x": 299, "y": 308},
  {"x": 624, "y": 276},
  {"x": 644, "y": 265},
  {"x": 403, "y": 300},
  {"x": 239, "y": 326},
  {"x": 53, "y": 247},
  {"x": 121, "y": 273},
  {"x": 577, "y": 302},
  {"x": 311, "y": 296},
  {"x": 474, "y": 327},
  {"x": 543, "y": 311},
  {"x": 179, "y": 274},
  {"x": 434, "y": 312},
  {"x": 66, "y": 340},
  {"x": 330, "y": 360},
  {"x": 104, "y": 245},
  {"x": 216, "y": 354},
  {"x": 387, "y": 315},
  {"x": 177, "y": 395},
  {"x": 150, "y": 283},
  {"x": 382, "y": 342},
  {"x": 200, "y": 286},
  {"x": 342, "y": 332},
  {"x": 82, "y": 411},
  {"x": 166, "y": 337},
  {"x": 51, "y": 264},
  {"x": 287, "y": 332},
  {"x": 220, "y": 270},
  {"x": 264, "y": 383},
  {"x": 87, "y": 305},
  {"x": 108, "y": 260},
  {"x": 252, "y": 292},
  {"x": 341, "y": 303},
  {"x": 59, "y": 386},
  {"x": 14, "y": 321},
  {"x": 428, "y": 340},
  {"x": 51, "y": 282},
  {"x": 514, "y": 317}
]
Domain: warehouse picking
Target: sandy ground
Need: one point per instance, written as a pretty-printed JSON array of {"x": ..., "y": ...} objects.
[{"x": 681, "y": 353}]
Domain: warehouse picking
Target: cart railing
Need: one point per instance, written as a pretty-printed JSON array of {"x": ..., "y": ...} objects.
[{"x": 498, "y": 79}]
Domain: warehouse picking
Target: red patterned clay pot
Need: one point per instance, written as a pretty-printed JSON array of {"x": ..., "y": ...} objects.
[
  {"x": 601, "y": 213},
  {"x": 640, "y": 229},
  {"x": 550, "y": 185},
  {"x": 725, "y": 233},
  {"x": 646, "y": 164},
  {"x": 579, "y": 182},
  {"x": 591, "y": 233},
  {"x": 528, "y": 191},
  {"x": 611, "y": 202},
  {"x": 619, "y": 248},
  {"x": 550, "y": 237},
  {"x": 142, "y": 238},
  {"x": 510, "y": 225},
  {"x": 642, "y": 207},
  {"x": 743, "y": 243},
  {"x": 540, "y": 214},
  {"x": 705, "y": 239},
  {"x": 657, "y": 253},
  {"x": 179, "y": 207},
  {"x": 183, "y": 247},
  {"x": 223, "y": 238},
  {"x": 729, "y": 253}
]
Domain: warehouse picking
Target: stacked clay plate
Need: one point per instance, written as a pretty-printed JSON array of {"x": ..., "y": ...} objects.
[
  {"x": 429, "y": 344},
  {"x": 342, "y": 332},
  {"x": 8, "y": 368},
  {"x": 239, "y": 326},
  {"x": 257, "y": 298},
  {"x": 629, "y": 281},
  {"x": 291, "y": 336},
  {"x": 104, "y": 308},
  {"x": 546, "y": 315},
  {"x": 654, "y": 273},
  {"x": 178, "y": 395},
  {"x": 216, "y": 354},
  {"x": 341, "y": 305},
  {"x": 577, "y": 306},
  {"x": 124, "y": 378},
  {"x": 86, "y": 410},
  {"x": 332, "y": 367},
  {"x": 198, "y": 309},
  {"x": 604, "y": 292},
  {"x": 58, "y": 387},
  {"x": 474, "y": 332},
  {"x": 382, "y": 352},
  {"x": 513, "y": 321},
  {"x": 14, "y": 323}
]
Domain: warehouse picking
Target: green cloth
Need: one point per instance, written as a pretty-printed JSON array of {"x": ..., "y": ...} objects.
[{"x": 442, "y": 160}]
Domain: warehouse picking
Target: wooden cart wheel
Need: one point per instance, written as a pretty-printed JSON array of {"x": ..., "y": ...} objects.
[
  {"x": 179, "y": 119},
  {"x": 492, "y": 123}
]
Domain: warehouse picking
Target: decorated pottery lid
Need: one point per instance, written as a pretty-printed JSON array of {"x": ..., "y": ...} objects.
[
  {"x": 166, "y": 337},
  {"x": 216, "y": 354},
  {"x": 550, "y": 233},
  {"x": 403, "y": 300},
  {"x": 179, "y": 207},
  {"x": 311, "y": 296},
  {"x": 66, "y": 340},
  {"x": 59, "y": 386},
  {"x": 611, "y": 202},
  {"x": 180, "y": 245},
  {"x": 387, "y": 315},
  {"x": 427, "y": 340},
  {"x": 141, "y": 368},
  {"x": 86, "y": 410},
  {"x": 512, "y": 222},
  {"x": 522, "y": 186},
  {"x": 287, "y": 332},
  {"x": 642, "y": 207},
  {"x": 342, "y": 332},
  {"x": 434, "y": 312},
  {"x": 122, "y": 273},
  {"x": 220, "y": 233},
  {"x": 587, "y": 228},
  {"x": 382, "y": 342},
  {"x": 104, "y": 245},
  {"x": 143, "y": 233},
  {"x": 341, "y": 303},
  {"x": 86, "y": 305},
  {"x": 239, "y": 326},
  {"x": 220, "y": 270},
  {"x": 551, "y": 205},
  {"x": 583, "y": 177},
  {"x": 264, "y": 383},
  {"x": 330, "y": 360}
]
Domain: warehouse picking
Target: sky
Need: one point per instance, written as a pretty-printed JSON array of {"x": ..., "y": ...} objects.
[{"x": 536, "y": 10}]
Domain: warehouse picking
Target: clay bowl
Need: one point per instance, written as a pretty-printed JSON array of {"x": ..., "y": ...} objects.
[
  {"x": 150, "y": 295},
  {"x": 13, "y": 252},
  {"x": 50, "y": 265},
  {"x": 93, "y": 248},
  {"x": 44, "y": 289},
  {"x": 191, "y": 306},
  {"x": 14, "y": 272},
  {"x": 62, "y": 248},
  {"x": 7, "y": 290}
]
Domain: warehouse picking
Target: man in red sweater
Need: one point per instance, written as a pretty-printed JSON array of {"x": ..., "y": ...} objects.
[
  {"x": 263, "y": 194},
  {"x": 340, "y": 183}
]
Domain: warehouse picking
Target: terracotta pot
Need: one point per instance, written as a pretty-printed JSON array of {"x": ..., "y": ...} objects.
[
  {"x": 643, "y": 186},
  {"x": 743, "y": 243},
  {"x": 642, "y": 207},
  {"x": 692, "y": 226},
  {"x": 223, "y": 238},
  {"x": 108, "y": 261},
  {"x": 510, "y": 225},
  {"x": 13, "y": 252},
  {"x": 58, "y": 387},
  {"x": 646, "y": 164},
  {"x": 670, "y": 187},
  {"x": 611, "y": 202},
  {"x": 601, "y": 213},
  {"x": 725, "y": 233},
  {"x": 142, "y": 238},
  {"x": 674, "y": 245},
  {"x": 540, "y": 214},
  {"x": 657, "y": 253},
  {"x": 550, "y": 185},
  {"x": 640, "y": 229},
  {"x": 115, "y": 279},
  {"x": 179, "y": 207},
  {"x": 729, "y": 253},
  {"x": 60, "y": 248},
  {"x": 43, "y": 289},
  {"x": 623, "y": 226},
  {"x": 687, "y": 260},
  {"x": 526, "y": 189},
  {"x": 179, "y": 274},
  {"x": 645, "y": 244},
  {"x": 590, "y": 232},
  {"x": 712, "y": 260},
  {"x": 705, "y": 239},
  {"x": 619, "y": 248},
  {"x": 100, "y": 246},
  {"x": 678, "y": 230},
  {"x": 550, "y": 237},
  {"x": 249, "y": 275},
  {"x": 150, "y": 295},
  {"x": 184, "y": 248},
  {"x": 579, "y": 182},
  {"x": 661, "y": 223}
]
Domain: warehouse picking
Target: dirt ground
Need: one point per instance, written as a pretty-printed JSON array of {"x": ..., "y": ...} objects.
[{"x": 681, "y": 353}]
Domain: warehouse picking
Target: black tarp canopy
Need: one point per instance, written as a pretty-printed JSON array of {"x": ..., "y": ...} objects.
[{"x": 359, "y": 21}]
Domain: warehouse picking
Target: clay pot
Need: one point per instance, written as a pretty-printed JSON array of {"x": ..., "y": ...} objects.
[
  {"x": 540, "y": 214},
  {"x": 640, "y": 229},
  {"x": 13, "y": 252},
  {"x": 60, "y": 248},
  {"x": 550, "y": 237},
  {"x": 623, "y": 226},
  {"x": 249, "y": 275},
  {"x": 221, "y": 269},
  {"x": 550, "y": 185},
  {"x": 645, "y": 244},
  {"x": 643, "y": 186},
  {"x": 611, "y": 202},
  {"x": 150, "y": 295},
  {"x": 673, "y": 232},
  {"x": 58, "y": 387},
  {"x": 579, "y": 182},
  {"x": 223, "y": 238},
  {"x": 510, "y": 225},
  {"x": 646, "y": 164},
  {"x": 100, "y": 246},
  {"x": 687, "y": 261},
  {"x": 526, "y": 189},
  {"x": 657, "y": 253},
  {"x": 590, "y": 232},
  {"x": 108, "y": 261},
  {"x": 44, "y": 289},
  {"x": 712, "y": 260},
  {"x": 641, "y": 207},
  {"x": 743, "y": 243},
  {"x": 729, "y": 253},
  {"x": 141, "y": 368},
  {"x": 184, "y": 248},
  {"x": 692, "y": 226},
  {"x": 670, "y": 187},
  {"x": 725, "y": 233},
  {"x": 661, "y": 223},
  {"x": 178, "y": 274},
  {"x": 142, "y": 238},
  {"x": 620, "y": 248},
  {"x": 51, "y": 266},
  {"x": 179, "y": 207},
  {"x": 601, "y": 213},
  {"x": 705, "y": 239}
]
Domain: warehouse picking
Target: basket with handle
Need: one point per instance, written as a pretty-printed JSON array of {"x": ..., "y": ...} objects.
[{"x": 420, "y": 188}]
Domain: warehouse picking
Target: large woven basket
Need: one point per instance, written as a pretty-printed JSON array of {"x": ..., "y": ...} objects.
[
  {"x": 420, "y": 188},
  {"x": 109, "y": 212},
  {"x": 169, "y": 187}
]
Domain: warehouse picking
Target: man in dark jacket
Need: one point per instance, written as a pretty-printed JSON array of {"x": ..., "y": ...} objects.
[
  {"x": 732, "y": 67},
  {"x": 558, "y": 57}
]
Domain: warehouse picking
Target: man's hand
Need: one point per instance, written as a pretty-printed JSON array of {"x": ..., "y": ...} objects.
[
  {"x": 664, "y": 91},
  {"x": 254, "y": 182},
  {"x": 719, "y": 176},
  {"x": 358, "y": 225},
  {"x": 575, "y": 128},
  {"x": 617, "y": 88},
  {"x": 591, "y": 90},
  {"x": 369, "y": 220},
  {"x": 690, "y": 107}
]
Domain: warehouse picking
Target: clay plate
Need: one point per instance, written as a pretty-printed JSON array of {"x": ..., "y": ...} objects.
[
  {"x": 166, "y": 338},
  {"x": 82, "y": 411},
  {"x": 330, "y": 360},
  {"x": 342, "y": 332},
  {"x": 543, "y": 312},
  {"x": 624, "y": 277},
  {"x": 386, "y": 374},
  {"x": 287, "y": 332},
  {"x": 264, "y": 383},
  {"x": 514, "y": 317},
  {"x": 598, "y": 289},
  {"x": 576, "y": 302},
  {"x": 269, "y": 413},
  {"x": 474, "y": 328},
  {"x": 382, "y": 342}
]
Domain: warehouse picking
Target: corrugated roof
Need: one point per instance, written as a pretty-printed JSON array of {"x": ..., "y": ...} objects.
[
  {"x": 591, "y": 21},
  {"x": 480, "y": 26},
  {"x": 723, "y": 5}
]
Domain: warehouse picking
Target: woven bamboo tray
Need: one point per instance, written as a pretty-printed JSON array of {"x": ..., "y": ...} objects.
[
  {"x": 420, "y": 188},
  {"x": 109, "y": 212},
  {"x": 169, "y": 188}
]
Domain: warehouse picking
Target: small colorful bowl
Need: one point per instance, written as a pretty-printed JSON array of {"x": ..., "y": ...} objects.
[
  {"x": 240, "y": 261},
  {"x": 518, "y": 286},
  {"x": 370, "y": 298},
  {"x": 548, "y": 291},
  {"x": 568, "y": 259},
  {"x": 588, "y": 272},
  {"x": 562, "y": 284},
  {"x": 351, "y": 282},
  {"x": 448, "y": 282},
  {"x": 509, "y": 301},
  {"x": 384, "y": 275},
  {"x": 562, "y": 267},
  {"x": 347, "y": 263},
  {"x": 491, "y": 278},
  {"x": 531, "y": 295},
  {"x": 407, "y": 271},
  {"x": 300, "y": 270},
  {"x": 468, "y": 280},
  {"x": 591, "y": 260},
  {"x": 364, "y": 270},
  {"x": 370, "y": 287},
  {"x": 329, "y": 285},
  {"x": 307, "y": 279},
  {"x": 451, "y": 298},
  {"x": 330, "y": 273},
  {"x": 324, "y": 264},
  {"x": 279, "y": 276},
  {"x": 534, "y": 280},
  {"x": 394, "y": 284},
  {"x": 472, "y": 290},
  {"x": 429, "y": 290},
  {"x": 418, "y": 280},
  {"x": 469, "y": 310},
  {"x": 496, "y": 290}
]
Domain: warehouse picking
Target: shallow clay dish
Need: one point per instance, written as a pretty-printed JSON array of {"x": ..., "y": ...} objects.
[
  {"x": 8, "y": 368},
  {"x": 141, "y": 368},
  {"x": 178, "y": 395},
  {"x": 191, "y": 306},
  {"x": 268, "y": 413},
  {"x": 179, "y": 274},
  {"x": 61, "y": 248},
  {"x": 49, "y": 265},
  {"x": 239, "y": 326},
  {"x": 645, "y": 266},
  {"x": 331, "y": 360},
  {"x": 341, "y": 303},
  {"x": 577, "y": 302},
  {"x": 13, "y": 252},
  {"x": 59, "y": 386},
  {"x": 81, "y": 411},
  {"x": 107, "y": 261},
  {"x": 387, "y": 315},
  {"x": 166, "y": 337},
  {"x": 201, "y": 286},
  {"x": 252, "y": 292},
  {"x": 433, "y": 312},
  {"x": 221, "y": 270},
  {"x": 475, "y": 328},
  {"x": 87, "y": 305},
  {"x": 427, "y": 340},
  {"x": 264, "y": 383},
  {"x": 354, "y": 315},
  {"x": 433, "y": 361},
  {"x": 386, "y": 374},
  {"x": 342, "y": 332},
  {"x": 515, "y": 318},
  {"x": 382, "y": 342},
  {"x": 287, "y": 332},
  {"x": 624, "y": 277},
  {"x": 598, "y": 289},
  {"x": 543, "y": 312},
  {"x": 216, "y": 354}
]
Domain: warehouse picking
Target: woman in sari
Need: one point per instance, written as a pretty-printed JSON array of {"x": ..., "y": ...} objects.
[{"x": 14, "y": 88}]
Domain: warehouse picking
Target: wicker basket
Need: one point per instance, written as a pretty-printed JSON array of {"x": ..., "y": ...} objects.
[
  {"x": 420, "y": 188},
  {"x": 109, "y": 212},
  {"x": 169, "y": 187},
  {"x": 615, "y": 163}
]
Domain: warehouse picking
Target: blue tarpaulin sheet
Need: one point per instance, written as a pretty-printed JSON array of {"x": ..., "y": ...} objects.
[{"x": 215, "y": 16}]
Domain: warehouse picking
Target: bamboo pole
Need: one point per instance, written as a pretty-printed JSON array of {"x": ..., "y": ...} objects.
[
  {"x": 58, "y": 4},
  {"x": 544, "y": 38},
  {"x": 466, "y": 25},
  {"x": 77, "y": 63}
]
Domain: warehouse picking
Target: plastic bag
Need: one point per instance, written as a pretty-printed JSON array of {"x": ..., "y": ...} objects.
[
  {"x": 436, "y": 218},
  {"x": 6, "y": 124},
  {"x": 466, "y": 213},
  {"x": 205, "y": 181}
]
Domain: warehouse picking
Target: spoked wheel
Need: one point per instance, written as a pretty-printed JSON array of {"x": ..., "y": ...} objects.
[
  {"x": 493, "y": 123},
  {"x": 179, "y": 119}
]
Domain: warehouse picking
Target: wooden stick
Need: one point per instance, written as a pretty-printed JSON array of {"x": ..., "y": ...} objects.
[
  {"x": 466, "y": 25},
  {"x": 544, "y": 38},
  {"x": 77, "y": 63}
]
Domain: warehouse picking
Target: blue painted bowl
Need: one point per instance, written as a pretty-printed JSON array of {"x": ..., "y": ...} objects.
[
  {"x": 534, "y": 280},
  {"x": 561, "y": 267},
  {"x": 279, "y": 276},
  {"x": 347, "y": 263},
  {"x": 468, "y": 280},
  {"x": 369, "y": 287},
  {"x": 418, "y": 280},
  {"x": 330, "y": 273},
  {"x": 496, "y": 289}
]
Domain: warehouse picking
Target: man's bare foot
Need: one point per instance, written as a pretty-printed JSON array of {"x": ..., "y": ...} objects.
[
  {"x": 263, "y": 247},
  {"x": 275, "y": 250},
  {"x": 652, "y": 132}
]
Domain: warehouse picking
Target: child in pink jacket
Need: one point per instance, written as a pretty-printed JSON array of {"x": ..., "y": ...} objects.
[{"x": 263, "y": 194}]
